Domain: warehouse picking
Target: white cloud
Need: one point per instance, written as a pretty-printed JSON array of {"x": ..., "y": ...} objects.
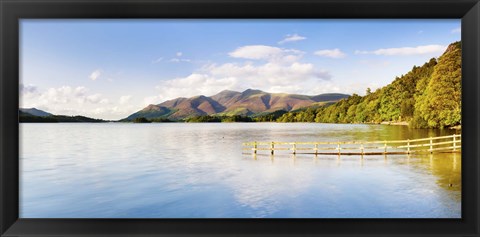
[
  {"x": 95, "y": 99},
  {"x": 331, "y": 53},
  {"x": 267, "y": 68},
  {"x": 269, "y": 53},
  {"x": 179, "y": 60},
  {"x": 192, "y": 85},
  {"x": 125, "y": 99},
  {"x": 457, "y": 30},
  {"x": 95, "y": 75},
  {"x": 157, "y": 60},
  {"x": 279, "y": 71},
  {"x": 271, "y": 72},
  {"x": 256, "y": 52},
  {"x": 156, "y": 99},
  {"x": 67, "y": 100},
  {"x": 62, "y": 100},
  {"x": 114, "y": 112},
  {"x": 28, "y": 89},
  {"x": 292, "y": 38},
  {"x": 407, "y": 51}
]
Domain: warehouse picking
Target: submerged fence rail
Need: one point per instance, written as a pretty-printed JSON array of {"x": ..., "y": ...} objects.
[{"x": 450, "y": 143}]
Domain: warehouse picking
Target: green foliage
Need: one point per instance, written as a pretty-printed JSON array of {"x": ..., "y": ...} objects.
[
  {"x": 141, "y": 120},
  {"x": 428, "y": 97},
  {"x": 236, "y": 118},
  {"x": 161, "y": 120},
  {"x": 153, "y": 113},
  {"x": 218, "y": 119},
  {"x": 203, "y": 119},
  {"x": 440, "y": 103},
  {"x": 407, "y": 108},
  {"x": 29, "y": 118},
  {"x": 36, "y": 119},
  {"x": 270, "y": 117}
]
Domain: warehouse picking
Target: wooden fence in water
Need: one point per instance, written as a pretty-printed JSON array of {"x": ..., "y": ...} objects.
[{"x": 450, "y": 143}]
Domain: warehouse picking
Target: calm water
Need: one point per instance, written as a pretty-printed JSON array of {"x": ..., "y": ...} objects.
[{"x": 198, "y": 170}]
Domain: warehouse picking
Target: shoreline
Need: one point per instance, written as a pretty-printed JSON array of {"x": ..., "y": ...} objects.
[{"x": 403, "y": 123}]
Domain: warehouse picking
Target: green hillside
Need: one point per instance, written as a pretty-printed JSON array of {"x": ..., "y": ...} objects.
[
  {"x": 25, "y": 117},
  {"x": 426, "y": 97}
]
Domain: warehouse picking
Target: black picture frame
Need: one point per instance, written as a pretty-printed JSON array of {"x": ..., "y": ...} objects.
[{"x": 13, "y": 10}]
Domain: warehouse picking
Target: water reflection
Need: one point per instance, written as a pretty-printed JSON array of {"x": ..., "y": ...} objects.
[
  {"x": 445, "y": 167},
  {"x": 408, "y": 178},
  {"x": 198, "y": 170}
]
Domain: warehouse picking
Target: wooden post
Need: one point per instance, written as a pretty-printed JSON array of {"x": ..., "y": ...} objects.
[
  {"x": 454, "y": 143},
  {"x": 338, "y": 148},
  {"x": 385, "y": 148},
  {"x": 294, "y": 148},
  {"x": 454, "y": 161},
  {"x": 361, "y": 147},
  {"x": 431, "y": 146},
  {"x": 254, "y": 147},
  {"x": 272, "y": 147},
  {"x": 316, "y": 148},
  {"x": 408, "y": 146}
]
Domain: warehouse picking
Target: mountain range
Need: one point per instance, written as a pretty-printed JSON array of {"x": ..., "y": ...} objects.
[{"x": 228, "y": 103}]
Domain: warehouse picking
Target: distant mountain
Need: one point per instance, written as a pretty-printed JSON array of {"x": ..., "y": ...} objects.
[
  {"x": 247, "y": 103},
  {"x": 36, "y": 112},
  {"x": 34, "y": 115}
]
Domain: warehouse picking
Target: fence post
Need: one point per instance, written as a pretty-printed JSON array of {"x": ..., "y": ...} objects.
[
  {"x": 454, "y": 143},
  {"x": 316, "y": 148},
  {"x": 408, "y": 146},
  {"x": 385, "y": 147},
  {"x": 361, "y": 147},
  {"x": 294, "y": 148},
  {"x": 254, "y": 147},
  {"x": 272, "y": 147},
  {"x": 431, "y": 145},
  {"x": 338, "y": 148}
]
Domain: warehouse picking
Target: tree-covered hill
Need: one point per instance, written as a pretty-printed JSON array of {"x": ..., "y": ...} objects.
[
  {"x": 426, "y": 97},
  {"x": 25, "y": 117},
  {"x": 35, "y": 112}
]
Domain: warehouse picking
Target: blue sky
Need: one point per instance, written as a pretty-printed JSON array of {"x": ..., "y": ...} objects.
[{"x": 111, "y": 68}]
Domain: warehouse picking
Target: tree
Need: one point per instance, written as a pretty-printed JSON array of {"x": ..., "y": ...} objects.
[
  {"x": 141, "y": 120},
  {"x": 440, "y": 104}
]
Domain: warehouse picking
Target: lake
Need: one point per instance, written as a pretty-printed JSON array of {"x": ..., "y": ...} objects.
[{"x": 198, "y": 170}]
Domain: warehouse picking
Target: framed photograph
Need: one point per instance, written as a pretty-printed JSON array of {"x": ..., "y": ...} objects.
[{"x": 345, "y": 118}]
